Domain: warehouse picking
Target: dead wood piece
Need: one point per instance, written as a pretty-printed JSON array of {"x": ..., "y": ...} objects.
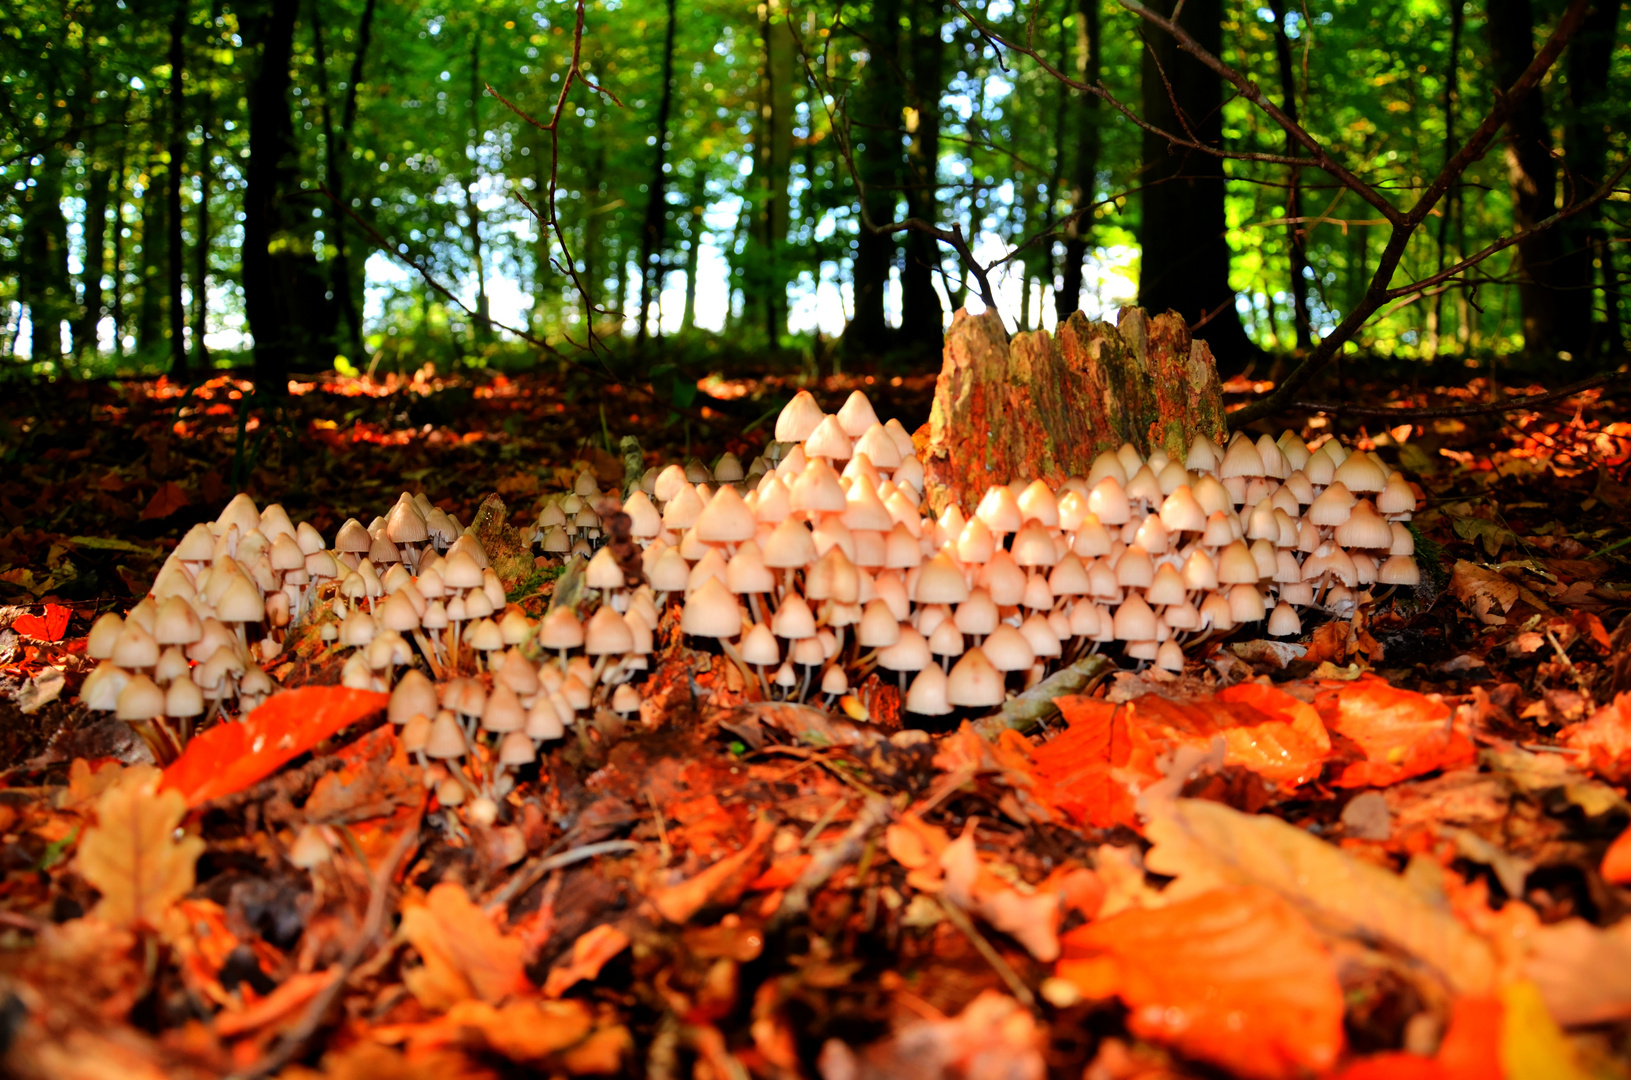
[{"x": 1043, "y": 405}]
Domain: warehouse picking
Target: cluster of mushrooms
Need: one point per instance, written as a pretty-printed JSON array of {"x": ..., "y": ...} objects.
[{"x": 812, "y": 568}]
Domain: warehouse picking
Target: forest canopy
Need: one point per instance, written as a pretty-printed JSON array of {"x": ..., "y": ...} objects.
[{"x": 339, "y": 183}]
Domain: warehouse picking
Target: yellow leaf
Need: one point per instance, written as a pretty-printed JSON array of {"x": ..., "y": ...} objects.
[
  {"x": 132, "y": 855},
  {"x": 1206, "y": 845},
  {"x": 1533, "y": 1047},
  {"x": 465, "y": 956}
]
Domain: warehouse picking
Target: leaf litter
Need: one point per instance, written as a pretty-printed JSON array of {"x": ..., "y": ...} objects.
[{"x": 1400, "y": 851}]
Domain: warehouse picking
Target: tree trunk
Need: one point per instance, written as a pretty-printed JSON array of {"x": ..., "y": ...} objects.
[
  {"x": 1296, "y": 229},
  {"x": 1551, "y": 319},
  {"x": 283, "y": 286},
  {"x": 482, "y": 331},
  {"x": 765, "y": 276},
  {"x": 1184, "y": 263},
  {"x": 693, "y": 249},
  {"x": 1090, "y": 388},
  {"x": 1452, "y": 101},
  {"x": 593, "y": 233},
  {"x": 341, "y": 283},
  {"x": 201, "y": 242},
  {"x": 1585, "y": 151},
  {"x": 1083, "y": 176},
  {"x": 921, "y": 314},
  {"x": 96, "y": 243},
  {"x": 177, "y": 251},
  {"x": 155, "y": 232},
  {"x": 875, "y": 138},
  {"x": 43, "y": 283},
  {"x": 117, "y": 307},
  {"x": 654, "y": 231}
]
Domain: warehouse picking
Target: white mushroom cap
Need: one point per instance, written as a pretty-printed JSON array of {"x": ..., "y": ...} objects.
[
  {"x": 711, "y": 611},
  {"x": 414, "y": 694},
  {"x": 973, "y": 682},
  {"x": 141, "y": 699},
  {"x": 607, "y": 634},
  {"x": 927, "y": 694}
]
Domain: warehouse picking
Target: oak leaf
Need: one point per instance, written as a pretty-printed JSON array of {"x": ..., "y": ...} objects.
[
  {"x": 1206, "y": 845},
  {"x": 1236, "y": 977},
  {"x": 465, "y": 955},
  {"x": 132, "y": 856}
]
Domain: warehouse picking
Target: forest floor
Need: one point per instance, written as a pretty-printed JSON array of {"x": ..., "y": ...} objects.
[{"x": 724, "y": 888}]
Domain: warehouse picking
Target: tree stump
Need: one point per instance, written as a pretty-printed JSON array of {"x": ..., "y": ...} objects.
[{"x": 1042, "y": 407}]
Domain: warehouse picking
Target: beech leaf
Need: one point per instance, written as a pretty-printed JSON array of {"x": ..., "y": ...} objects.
[
  {"x": 1206, "y": 845},
  {"x": 1403, "y": 733},
  {"x": 132, "y": 856},
  {"x": 229, "y": 757},
  {"x": 49, "y": 625},
  {"x": 465, "y": 955},
  {"x": 1236, "y": 977}
]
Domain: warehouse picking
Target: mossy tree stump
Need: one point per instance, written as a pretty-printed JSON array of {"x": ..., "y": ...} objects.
[{"x": 1042, "y": 406}]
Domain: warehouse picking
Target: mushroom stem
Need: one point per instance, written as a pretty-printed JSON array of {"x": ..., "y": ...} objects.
[
  {"x": 804, "y": 685},
  {"x": 429, "y": 652}
]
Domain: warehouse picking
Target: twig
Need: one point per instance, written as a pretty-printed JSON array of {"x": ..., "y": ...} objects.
[
  {"x": 295, "y": 1039},
  {"x": 1433, "y": 413},
  {"x": 528, "y": 876},
  {"x": 1016, "y": 986},
  {"x": 827, "y": 863}
]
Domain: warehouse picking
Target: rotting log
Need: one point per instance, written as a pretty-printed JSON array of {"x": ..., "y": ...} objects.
[{"x": 1042, "y": 405}]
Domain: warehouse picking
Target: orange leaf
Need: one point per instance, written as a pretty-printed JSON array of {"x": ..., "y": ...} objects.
[
  {"x": 1617, "y": 863},
  {"x": 165, "y": 501},
  {"x": 1606, "y": 737},
  {"x": 1236, "y": 977},
  {"x": 231, "y": 756},
  {"x": 1471, "y": 1049},
  {"x": 678, "y": 903},
  {"x": 589, "y": 954},
  {"x": 1403, "y": 733},
  {"x": 1073, "y": 770},
  {"x": 465, "y": 955},
  {"x": 781, "y": 873},
  {"x": 132, "y": 854},
  {"x": 49, "y": 625}
]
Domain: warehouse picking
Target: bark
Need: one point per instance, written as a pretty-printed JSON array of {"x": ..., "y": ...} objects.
[
  {"x": 1452, "y": 99},
  {"x": 341, "y": 280},
  {"x": 653, "y": 233},
  {"x": 154, "y": 233},
  {"x": 921, "y": 313},
  {"x": 201, "y": 242},
  {"x": 693, "y": 249},
  {"x": 593, "y": 232},
  {"x": 96, "y": 242},
  {"x": 177, "y": 251},
  {"x": 1184, "y": 264},
  {"x": 1043, "y": 405},
  {"x": 1551, "y": 318},
  {"x": 874, "y": 133},
  {"x": 284, "y": 289},
  {"x": 765, "y": 271},
  {"x": 1585, "y": 152},
  {"x": 1296, "y": 231},
  {"x": 482, "y": 330},
  {"x": 43, "y": 283},
  {"x": 117, "y": 307},
  {"x": 1085, "y": 171}
]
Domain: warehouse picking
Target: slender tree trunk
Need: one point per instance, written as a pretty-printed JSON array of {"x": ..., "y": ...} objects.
[
  {"x": 276, "y": 326},
  {"x": 482, "y": 331},
  {"x": 340, "y": 283},
  {"x": 1184, "y": 264},
  {"x": 1296, "y": 230},
  {"x": 594, "y": 261},
  {"x": 178, "y": 147},
  {"x": 654, "y": 231},
  {"x": 44, "y": 284},
  {"x": 1551, "y": 319},
  {"x": 96, "y": 242},
  {"x": 1585, "y": 151},
  {"x": 201, "y": 242},
  {"x": 693, "y": 248},
  {"x": 875, "y": 133},
  {"x": 765, "y": 276},
  {"x": 1083, "y": 176},
  {"x": 117, "y": 307},
  {"x": 921, "y": 314},
  {"x": 1452, "y": 102},
  {"x": 155, "y": 244}
]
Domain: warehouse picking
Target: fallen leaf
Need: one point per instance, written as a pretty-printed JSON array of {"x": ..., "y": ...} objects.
[
  {"x": 1236, "y": 977},
  {"x": 590, "y": 953},
  {"x": 1470, "y": 1049},
  {"x": 49, "y": 625},
  {"x": 993, "y": 1037},
  {"x": 40, "y": 691},
  {"x": 1583, "y": 972},
  {"x": 1206, "y": 845},
  {"x": 1533, "y": 1047},
  {"x": 522, "y": 1031},
  {"x": 231, "y": 756},
  {"x": 132, "y": 855},
  {"x": 291, "y": 995},
  {"x": 1403, "y": 733},
  {"x": 1030, "y": 919},
  {"x": 678, "y": 903},
  {"x": 165, "y": 501},
  {"x": 1605, "y": 738},
  {"x": 1617, "y": 862},
  {"x": 465, "y": 955}
]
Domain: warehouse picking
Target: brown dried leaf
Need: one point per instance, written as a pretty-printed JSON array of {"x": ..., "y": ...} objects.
[
  {"x": 465, "y": 955},
  {"x": 590, "y": 953},
  {"x": 131, "y": 855},
  {"x": 1207, "y": 845}
]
